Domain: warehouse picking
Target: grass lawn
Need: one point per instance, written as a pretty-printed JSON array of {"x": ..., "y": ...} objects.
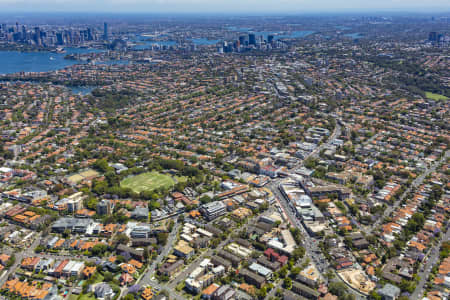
[
  {"x": 149, "y": 181},
  {"x": 435, "y": 97},
  {"x": 88, "y": 296},
  {"x": 98, "y": 277}
]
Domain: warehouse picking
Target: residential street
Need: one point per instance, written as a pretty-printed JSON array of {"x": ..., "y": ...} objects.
[
  {"x": 418, "y": 181},
  {"x": 433, "y": 259}
]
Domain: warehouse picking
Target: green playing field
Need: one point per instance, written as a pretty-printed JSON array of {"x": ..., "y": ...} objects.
[
  {"x": 435, "y": 97},
  {"x": 149, "y": 181}
]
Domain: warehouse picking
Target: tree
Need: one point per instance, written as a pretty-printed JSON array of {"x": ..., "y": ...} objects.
[
  {"x": 146, "y": 254},
  {"x": 296, "y": 233},
  {"x": 298, "y": 253},
  {"x": 407, "y": 286},
  {"x": 122, "y": 238},
  {"x": 85, "y": 287},
  {"x": 108, "y": 276},
  {"x": 154, "y": 205},
  {"x": 205, "y": 199},
  {"x": 295, "y": 271},
  {"x": 39, "y": 249},
  {"x": 262, "y": 293},
  {"x": 283, "y": 272},
  {"x": 287, "y": 283},
  {"x": 162, "y": 238},
  {"x": 375, "y": 296},
  {"x": 66, "y": 233},
  {"x": 11, "y": 261},
  {"x": 129, "y": 297},
  {"x": 99, "y": 249},
  {"x": 102, "y": 165},
  {"x": 337, "y": 288},
  {"x": 415, "y": 223},
  {"x": 91, "y": 203}
]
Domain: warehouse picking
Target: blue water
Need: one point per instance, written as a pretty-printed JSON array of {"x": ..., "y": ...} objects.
[
  {"x": 113, "y": 62},
  {"x": 84, "y": 90},
  {"x": 342, "y": 27},
  {"x": 276, "y": 34},
  {"x": 15, "y": 61},
  {"x": 148, "y": 44},
  {"x": 243, "y": 29},
  {"x": 145, "y": 43},
  {"x": 355, "y": 35},
  {"x": 203, "y": 41}
]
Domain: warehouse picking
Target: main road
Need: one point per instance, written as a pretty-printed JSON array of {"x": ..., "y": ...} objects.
[
  {"x": 146, "y": 279},
  {"x": 431, "y": 262},
  {"x": 336, "y": 133},
  {"x": 28, "y": 252}
]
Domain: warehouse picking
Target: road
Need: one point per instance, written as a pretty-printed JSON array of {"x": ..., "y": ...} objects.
[
  {"x": 146, "y": 277},
  {"x": 418, "y": 181},
  {"x": 150, "y": 272},
  {"x": 336, "y": 133},
  {"x": 29, "y": 252},
  {"x": 311, "y": 245},
  {"x": 313, "y": 252},
  {"x": 433, "y": 259},
  {"x": 193, "y": 265}
]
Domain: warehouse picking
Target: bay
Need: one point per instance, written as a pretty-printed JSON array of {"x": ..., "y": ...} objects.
[
  {"x": 43, "y": 61},
  {"x": 277, "y": 35}
]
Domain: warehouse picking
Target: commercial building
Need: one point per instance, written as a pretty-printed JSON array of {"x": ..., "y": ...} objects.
[
  {"x": 141, "y": 231},
  {"x": 304, "y": 291},
  {"x": 73, "y": 224},
  {"x": 225, "y": 292},
  {"x": 104, "y": 207},
  {"x": 261, "y": 270},
  {"x": 213, "y": 210},
  {"x": 252, "y": 278},
  {"x": 168, "y": 269},
  {"x": 75, "y": 202},
  {"x": 105, "y": 31},
  {"x": 183, "y": 250}
]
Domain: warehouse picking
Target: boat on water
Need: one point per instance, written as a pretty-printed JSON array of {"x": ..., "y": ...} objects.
[
  {"x": 58, "y": 50},
  {"x": 52, "y": 58}
]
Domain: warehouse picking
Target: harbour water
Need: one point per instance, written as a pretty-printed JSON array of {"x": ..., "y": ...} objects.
[
  {"x": 83, "y": 90},
  {"x": 277, "y": 35},
  {"x": 44, "y": 61},
  {"x": 355, "y": 35},
  {"x": 146, "y": 43}
]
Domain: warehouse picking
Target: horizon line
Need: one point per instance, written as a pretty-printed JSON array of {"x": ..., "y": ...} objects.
[{"x": 442, "y": 11}]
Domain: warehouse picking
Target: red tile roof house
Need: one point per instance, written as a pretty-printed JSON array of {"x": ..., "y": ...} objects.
[{"x": 126, "y": 279}]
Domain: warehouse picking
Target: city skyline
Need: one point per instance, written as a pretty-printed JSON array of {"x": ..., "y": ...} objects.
[{"x": 232, "y": 6}]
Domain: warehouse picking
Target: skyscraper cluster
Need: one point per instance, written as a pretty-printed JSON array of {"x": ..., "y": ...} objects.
[
  {"x": 438, "y": 38},
  {"x": 251, "y": 41},
  {"x": 51, "y": 37}
]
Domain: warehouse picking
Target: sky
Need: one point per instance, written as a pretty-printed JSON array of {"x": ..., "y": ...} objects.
[{"x": 224, "y": 6}]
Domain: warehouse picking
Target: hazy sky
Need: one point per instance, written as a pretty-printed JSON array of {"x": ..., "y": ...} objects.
[{"x": 225, "y": 6}]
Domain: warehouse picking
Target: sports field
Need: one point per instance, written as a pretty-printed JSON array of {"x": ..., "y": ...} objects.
[
  {"x": 435, "y": 97},
  {"x": 149, "y": 181}
]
